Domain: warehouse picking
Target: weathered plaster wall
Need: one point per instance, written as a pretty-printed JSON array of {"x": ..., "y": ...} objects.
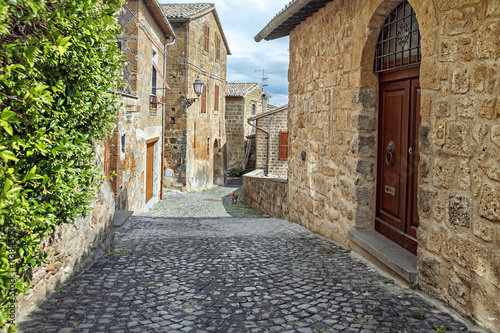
[
  {"x": 266, "y": 195},
  {"x": 73, "y": 248},
  {"x": 138, "y": 120},
  {"x": 194, "y": 140},
  {"x": 333, "y": 114},
  {"x": 274, "y": 124}
]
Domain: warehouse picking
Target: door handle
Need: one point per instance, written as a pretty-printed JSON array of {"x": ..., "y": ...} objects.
[{"x": 389, "y": 155}]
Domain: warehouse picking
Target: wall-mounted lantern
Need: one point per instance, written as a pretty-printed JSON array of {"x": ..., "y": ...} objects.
[{"x": 198, "y": 89}]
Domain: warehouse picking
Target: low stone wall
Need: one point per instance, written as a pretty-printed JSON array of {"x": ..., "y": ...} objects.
[
  {"x": 74, "y": 248},
  {"x": 266, "y": 195}
]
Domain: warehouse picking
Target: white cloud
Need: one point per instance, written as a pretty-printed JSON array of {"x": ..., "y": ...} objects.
[{"x": 241, "y": 20}]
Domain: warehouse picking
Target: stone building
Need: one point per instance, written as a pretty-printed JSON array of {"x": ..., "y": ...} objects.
[
  {"x": 243, "y": 100},
  {"x": 394, "y": 107},
  {"x": 195, "y": 136},
  {"x": 135, "y": 149},
  {"x": 273, "y": 142}
]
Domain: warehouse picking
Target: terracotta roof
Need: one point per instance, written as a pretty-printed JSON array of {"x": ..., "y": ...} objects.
[
  {"x": 291, "y": 16},
  {"x": 239, "y": 89},
  {"x": 267, "y": 113},
  {"x": 186, "y": 10}
]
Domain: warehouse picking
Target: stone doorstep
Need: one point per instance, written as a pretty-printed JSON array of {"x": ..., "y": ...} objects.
[
  {"x": 397, "y": 259},
  {"x": 121, "y": 216}
]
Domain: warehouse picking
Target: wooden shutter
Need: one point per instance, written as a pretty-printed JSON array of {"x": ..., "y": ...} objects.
[
  {"x": 106, "y": 157},
  {"x": 207, "y": 37},
  {"x": 204, "y": 99},
  {"x": 216, "y": 104},
  {"x": 218, "y": 48},
  {"x": 283, "y": 146}
]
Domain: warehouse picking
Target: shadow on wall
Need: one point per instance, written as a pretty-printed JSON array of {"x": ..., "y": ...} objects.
[
  {"x": 41, "y": 296},
  {"x": 239, "y": 209},
  {"x": 122, "y": 202}
]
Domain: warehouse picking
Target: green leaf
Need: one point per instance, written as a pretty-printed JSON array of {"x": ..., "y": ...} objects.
[
  {"x": 64, "y": 41},
  {"x": 7, "y": 114},
  {"x": 7, "y": 127},
  {"x": 8, "y": 155}
]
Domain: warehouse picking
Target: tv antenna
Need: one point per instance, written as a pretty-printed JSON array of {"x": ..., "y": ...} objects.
[{"x": 262, "y": 72}]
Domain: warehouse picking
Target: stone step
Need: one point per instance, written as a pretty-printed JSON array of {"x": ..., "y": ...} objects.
[
  {"x": 393, "y": 258},
  {"x": 121, "y": 216}
]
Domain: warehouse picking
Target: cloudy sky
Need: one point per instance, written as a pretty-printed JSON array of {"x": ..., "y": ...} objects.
[{"x": 241, "y": 20}]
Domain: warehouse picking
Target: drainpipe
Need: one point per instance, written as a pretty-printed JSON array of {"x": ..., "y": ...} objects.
[
  {"x": 266, "y": 172},
  {"x": 163, "y": 107}
]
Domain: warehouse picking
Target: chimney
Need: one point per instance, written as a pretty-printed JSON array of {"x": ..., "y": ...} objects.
[{"x": 265, "y": 99}]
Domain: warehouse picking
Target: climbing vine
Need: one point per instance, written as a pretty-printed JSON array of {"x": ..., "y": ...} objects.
[{"x": 59, "y": 68}]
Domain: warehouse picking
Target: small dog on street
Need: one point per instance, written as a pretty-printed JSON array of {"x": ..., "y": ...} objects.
[{"x": 234, "y": 197}]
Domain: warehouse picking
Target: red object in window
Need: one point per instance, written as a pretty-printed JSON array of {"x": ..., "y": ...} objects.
[
  {"x": 204, "y": 100},
  {"x": 216, "y": 104},
  {"x": 207, "y": 36},
  {"x": 218, "y": 48},
  {"x": 283, "y": 146}
]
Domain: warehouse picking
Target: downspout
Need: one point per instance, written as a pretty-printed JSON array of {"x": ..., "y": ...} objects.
[
  {"x": 266, "y": 171},
  {"x": 187, "y": 65},
  {"x": 163, "y": 107}
]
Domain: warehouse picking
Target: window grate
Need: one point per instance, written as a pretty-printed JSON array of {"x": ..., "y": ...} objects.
[{"x": 398, "y": 43}]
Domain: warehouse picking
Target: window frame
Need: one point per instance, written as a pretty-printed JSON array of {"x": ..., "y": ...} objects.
[
  {"x": 206, "y": 45},
  {"x": 204, "y": 99},
  {"x": 217, "y": 97},
  {"x": 283, "y": 146},
  {"x": 218, "y": 43}
]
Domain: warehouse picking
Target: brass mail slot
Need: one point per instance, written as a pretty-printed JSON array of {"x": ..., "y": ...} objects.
[{"x": 390, "y": 190}]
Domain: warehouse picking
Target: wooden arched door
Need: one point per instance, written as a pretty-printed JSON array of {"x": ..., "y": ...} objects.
[{"x": 397, "y": 60}]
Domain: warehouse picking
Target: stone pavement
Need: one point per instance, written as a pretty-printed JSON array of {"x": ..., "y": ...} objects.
[{"x": 223, "y": 268}]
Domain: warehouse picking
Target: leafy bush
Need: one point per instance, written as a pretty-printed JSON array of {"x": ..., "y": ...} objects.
[
  {"x": 235, "y": 172},
  {"x": 59, "y": 68}
]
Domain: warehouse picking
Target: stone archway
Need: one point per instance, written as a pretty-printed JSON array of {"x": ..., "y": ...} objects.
[{"x": 366, "y": 83}]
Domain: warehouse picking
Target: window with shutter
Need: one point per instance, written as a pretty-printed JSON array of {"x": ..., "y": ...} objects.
[
  {"x": 107, "y": 172},
  {"x": 207, "y": 36},
  {"x": 218, "y": 48},
  {"x": 283, "y": 146},
  {"x": 216, "y": 104},
  {"x": 204, "y": 99}
]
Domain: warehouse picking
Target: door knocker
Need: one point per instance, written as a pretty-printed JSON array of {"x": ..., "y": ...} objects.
[{"x": 389, "y": 156}]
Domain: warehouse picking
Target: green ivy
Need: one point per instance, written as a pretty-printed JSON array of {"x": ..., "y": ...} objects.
[{"x": 59, "y": 69}]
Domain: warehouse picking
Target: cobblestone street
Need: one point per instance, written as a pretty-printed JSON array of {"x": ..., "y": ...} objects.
[{"x": 197, "y": 263}]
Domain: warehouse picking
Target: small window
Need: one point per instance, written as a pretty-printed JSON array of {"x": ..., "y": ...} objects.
[
  {"x": 123, "y": 143},
  {"x": 283, "y": 146},
  {"x": 253, "y": 109},
  {"x": 204, "y": 99},
  {"x": 207, "y": 38},
  {"x": 153, "y": 73},
  {"x": 194, "y": 136},
  {"x": 216, "y": 104},
  {"x": 208, "y": 147},
  {"x": 218, "y": 47}
]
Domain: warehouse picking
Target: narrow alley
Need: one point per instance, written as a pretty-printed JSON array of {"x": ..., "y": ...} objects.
[{"x": 198, "y": 263}]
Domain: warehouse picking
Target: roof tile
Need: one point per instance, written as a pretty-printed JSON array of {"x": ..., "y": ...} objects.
[
  {"x": 186, "y": 10},
  {"x": 239, "y": 89}
]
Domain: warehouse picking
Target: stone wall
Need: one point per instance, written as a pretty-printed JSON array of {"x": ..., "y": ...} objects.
[
  {"x": 238, "y": 110},
  {"x": 333, "y": 111},
  {"x": 73, "y": 248},
  {"x": 138, "y": 120},
  {"x": 195, "y": 141},
  {"x": 274, "y": 124},
  {"x": 266, "y": 195}
]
